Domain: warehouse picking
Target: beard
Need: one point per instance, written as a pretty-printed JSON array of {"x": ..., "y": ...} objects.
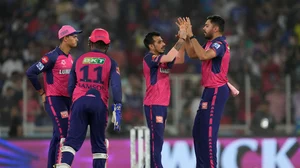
[
  {"x": 208, "y": 36},
  {"x": 161, "y": 52}
]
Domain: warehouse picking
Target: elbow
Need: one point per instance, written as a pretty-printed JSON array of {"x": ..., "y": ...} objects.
[{"x": 30, "y": 74}]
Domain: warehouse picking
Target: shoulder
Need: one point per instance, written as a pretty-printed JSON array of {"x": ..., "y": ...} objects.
[
  {"x": 51, "y": 55},
  {"x": 148, "y": 56}
]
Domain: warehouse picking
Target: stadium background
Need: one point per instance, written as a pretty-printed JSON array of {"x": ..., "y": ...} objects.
[{"x": 264, "y": 37}]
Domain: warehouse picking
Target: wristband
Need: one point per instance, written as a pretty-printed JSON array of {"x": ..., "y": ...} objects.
[{"x": 192, "y": 37}]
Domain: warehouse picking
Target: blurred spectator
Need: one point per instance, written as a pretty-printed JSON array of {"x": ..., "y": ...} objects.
[
  {"x": 33, "y": 110},
  {"x": 263, "y": 122},
  {"x": 185, "y": 121},
  {"x": 7, "y": 102},
  {"x": 276, "y": 100},
  {"x": 15, "y": 129},
  {"x": 296, "y": 107},
  {"x": 12, "y": 64}
]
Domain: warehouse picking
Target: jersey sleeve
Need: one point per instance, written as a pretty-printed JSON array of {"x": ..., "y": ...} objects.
[
  {"x": 72, "y": 79},
  {"x": 170, "y": 64},
  {"x": 153, "y": 61},
  {"x": 115, "y": 81},
  {"x": 219, "y": 48},
  {"x": 34, "y": 70}
]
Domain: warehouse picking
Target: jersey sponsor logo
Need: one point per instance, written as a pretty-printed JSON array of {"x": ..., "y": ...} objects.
[
  {"x": 216, "y": 45},
  {"x": 118, "y": 70},
  {"x": 90, "y": 86},
  {"x": 163, "y": 70},
  {"x": 64, "y": 114},
  {"x": 63, "y": 62},
  {"x": 92, "y": 60},
  {"x": 155, "y": 58},
  {"x": 40, "y": 66},
  {"x": 64, "y": 71},
  {"x": 45, "y": 59},
  {"x": 204, "y": 105},
  {"x": 159, "y": 119}
]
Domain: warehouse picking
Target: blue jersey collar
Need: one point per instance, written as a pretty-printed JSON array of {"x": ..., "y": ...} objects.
[
  {"x": 60, "y": 52},
  {"x": 96, "y": 50},
  {"x": 220, "y": 38}
]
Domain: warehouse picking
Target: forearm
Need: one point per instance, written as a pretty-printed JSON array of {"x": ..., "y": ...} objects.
[
  {"x": 32, "y": 75},
  {"x": 198, "y": 49},
  {"x": 180, "y": 56},
  {"x": 189, "y": 49},
  {"x": 169, "y": 57}
]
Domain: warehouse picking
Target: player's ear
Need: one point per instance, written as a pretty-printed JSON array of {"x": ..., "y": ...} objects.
[
  {"x": 151, "y": 46},
  {"x": 216, "y": 28}
]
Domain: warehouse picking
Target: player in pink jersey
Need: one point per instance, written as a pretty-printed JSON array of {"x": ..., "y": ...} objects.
[
  {"x": 56, "y": 66},
  {"x": 91, "y": 75},
  {"x": 156, "y": 67},
  {"x": 215, "y": 57}
]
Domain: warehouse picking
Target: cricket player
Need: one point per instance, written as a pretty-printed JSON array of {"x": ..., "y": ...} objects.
[
  {"x": 89, "y": 82},
  {"x": 215, "y": 57},
  {"x": 56, "y": 66},
  {"x": 156, "y": 67}
]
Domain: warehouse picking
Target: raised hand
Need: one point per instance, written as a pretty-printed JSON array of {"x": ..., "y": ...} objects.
[
  {"x": 189, "y": 26},
  {"x": 182, "y": 28}
]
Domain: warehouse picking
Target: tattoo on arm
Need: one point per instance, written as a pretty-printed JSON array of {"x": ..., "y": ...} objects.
[{"x": 179, "y": 44}]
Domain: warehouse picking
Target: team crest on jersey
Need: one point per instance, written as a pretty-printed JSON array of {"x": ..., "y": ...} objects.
[
  {"x": 40, "y": 66},
  {"x": 63, "y": 62},
  {"x": 45, "y": 59},
  {"x": 93, "y": 60},
  {"x": 155, "y": 58},
  {"x": 216, "y": 45}
]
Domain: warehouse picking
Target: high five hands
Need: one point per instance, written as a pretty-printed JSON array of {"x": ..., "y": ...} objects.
[{"x": 184, "y": 24}]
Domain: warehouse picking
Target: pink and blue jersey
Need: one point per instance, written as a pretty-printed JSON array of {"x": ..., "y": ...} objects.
[
  {"x": 214, "y": 71},
  {"x": 157, "y": 79},
  {"x": 56, "y": 67},
  {"x": 95, "y": 70}
]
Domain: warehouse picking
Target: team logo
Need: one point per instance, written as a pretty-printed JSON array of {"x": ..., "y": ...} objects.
[
  {"x": 159, "y": 119},
  {"x": 155, "y": 58},
  {"x": 204, "y": 105},
  {"x": 118, "y": 70},
  {"x": 216, "y": 45},
  {"x": 92, "y": 60},
  {"x": 63, "y": 62},
  {"x": 40, "y": 66},
  {"x": 45, "y": 59},
  {"x": 64, "y": 114}
]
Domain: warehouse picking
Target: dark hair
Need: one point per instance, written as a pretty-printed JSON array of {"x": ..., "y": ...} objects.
[
  {"x": 217, "y": 20},
  {"x": 100, "y": 45},
  {"x": 149, "y": 38}
]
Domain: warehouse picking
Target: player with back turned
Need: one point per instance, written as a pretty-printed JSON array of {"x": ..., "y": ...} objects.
[
  {"x": 90, "y": 77},
  {"x": 156, "y": 67},
  {"x": 56, "y": 66},
  {"x": 215, "y": 58}
]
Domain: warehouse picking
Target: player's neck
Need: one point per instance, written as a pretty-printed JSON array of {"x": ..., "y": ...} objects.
[
  {"x": 97, "y": 49},
  {"x": 64, "y": 48},
  {"x": 154, "y": 53},
  {"x": 216, "y": 36}
]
